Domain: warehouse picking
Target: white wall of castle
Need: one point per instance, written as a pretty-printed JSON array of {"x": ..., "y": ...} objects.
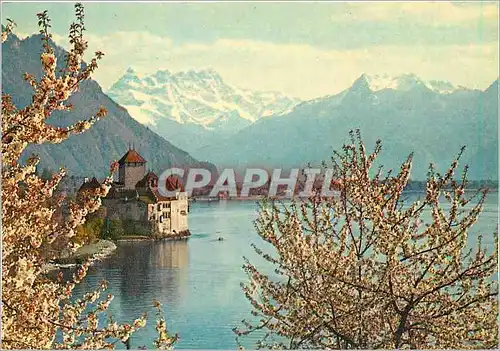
[
  {"x": 179, "y": 220},
  {"x": 171, "y": 215}
]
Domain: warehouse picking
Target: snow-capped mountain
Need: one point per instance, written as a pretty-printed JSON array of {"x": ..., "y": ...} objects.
[
  {"x": 378, "y": 87},
  {"x": 198, "y": 97},
  {"x": 408, "y": 82},
  {"x": 432, "y": 119},
  {"x": 193, "y": 108}
]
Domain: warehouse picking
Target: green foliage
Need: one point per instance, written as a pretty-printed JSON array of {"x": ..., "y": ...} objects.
[
  {"x": 90, "y": 230},
  {"x": 112, "y": 229},
  {"x": 155, "y": 230},
  {"x": 134, "y": 227}
]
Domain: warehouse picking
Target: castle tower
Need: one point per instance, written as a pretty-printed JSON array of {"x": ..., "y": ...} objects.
[{"x": 132, "y": 169}]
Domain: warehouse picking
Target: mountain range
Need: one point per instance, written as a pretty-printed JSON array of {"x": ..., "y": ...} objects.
[
  {"x": 215, "y": 121},
  {"x": 232, "y": 127},
  {"x": 194, "y": 108},
  {"x": 90, "y": 153},
  {"x": 431, "y": 119}
]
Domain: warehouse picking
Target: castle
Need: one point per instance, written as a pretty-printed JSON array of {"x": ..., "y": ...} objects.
[{"x": 135, "y": 198}]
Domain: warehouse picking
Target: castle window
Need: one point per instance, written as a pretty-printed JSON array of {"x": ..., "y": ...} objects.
[{"x": 159, "y": 207}]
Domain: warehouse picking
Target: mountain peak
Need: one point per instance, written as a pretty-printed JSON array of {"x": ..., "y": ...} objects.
[
  {"x": 403, "y": 82},
  {"x": 129, "y": 77},
  {"x": 493, "y": 88},
  {"x": 130, "y": 71},
  {"x": 211, "y": 72},
  {"x": 361, "y": 84},
  {"x": 162, "y": 75},
  {"x": 197, "y": 97},
  {"x": 207, "y": 73}
]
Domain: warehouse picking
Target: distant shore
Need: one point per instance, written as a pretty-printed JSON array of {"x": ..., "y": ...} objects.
[
  {"x": 216, "y": 199},
  {"x": 262, "y": 197}
]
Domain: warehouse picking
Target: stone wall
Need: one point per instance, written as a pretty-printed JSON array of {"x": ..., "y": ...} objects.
[
  {"x": 122, "y": 209},
  {"x": 130, "y": 174},
  {"x": 169, "y": 215},
  {"x": 132, "y": 214}
]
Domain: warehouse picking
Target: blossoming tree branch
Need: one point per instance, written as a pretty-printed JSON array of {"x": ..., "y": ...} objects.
[
  {"x": 366, "y": 269},
  {"x": 34, "y": 307}
]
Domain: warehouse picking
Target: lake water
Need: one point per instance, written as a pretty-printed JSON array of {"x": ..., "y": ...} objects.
[{"x": 198, "y": 279}]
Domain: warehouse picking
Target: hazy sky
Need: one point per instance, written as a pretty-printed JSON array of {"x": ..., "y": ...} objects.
[{"x": 301, "y": 49}]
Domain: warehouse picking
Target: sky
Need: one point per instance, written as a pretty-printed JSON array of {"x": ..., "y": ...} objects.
[{"x": 305, "y": 50}]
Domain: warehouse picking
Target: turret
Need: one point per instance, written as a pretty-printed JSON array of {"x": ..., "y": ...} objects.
[{"x": 132, "y": 169}]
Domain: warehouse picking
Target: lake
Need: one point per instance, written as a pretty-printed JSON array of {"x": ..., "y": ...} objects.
[{"x": 198, "y": 279}]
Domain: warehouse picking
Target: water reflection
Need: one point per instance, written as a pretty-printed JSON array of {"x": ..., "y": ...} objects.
[
  {"x": 170, "y": 260},
  {"x": 142, "y": 267},
  {"x": 170, "y": 254}
]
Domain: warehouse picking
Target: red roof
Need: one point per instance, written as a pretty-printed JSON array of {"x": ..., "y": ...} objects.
[
  {"x": 147, "y": 178},
  {"x": 160, "y": 197},
  {"x": 174, "y": 184},
  {"x": 132, "y": 156}
]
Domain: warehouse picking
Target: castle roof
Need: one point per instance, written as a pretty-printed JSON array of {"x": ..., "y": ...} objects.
[
  {"x": 131, "y": 156},
  {"x": 117, "y": 193},
  {"x": 92, "y": 184},
  {"x": 159, "y": 197},
  {"x": 146, "y": 179},
  {"x": 174, "y": 184}
]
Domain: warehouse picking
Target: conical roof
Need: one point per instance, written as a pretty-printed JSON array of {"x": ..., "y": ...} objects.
[{"x": 131, "y": 156}]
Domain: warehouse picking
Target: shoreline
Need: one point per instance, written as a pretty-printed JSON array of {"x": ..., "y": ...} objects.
[
  {"x": 100, "y": 249},
  {"x": 94, "y": 251},
  {"x": 133, "y": 238}
]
